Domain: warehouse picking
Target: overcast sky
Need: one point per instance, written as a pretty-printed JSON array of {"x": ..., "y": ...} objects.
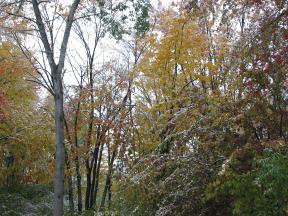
[{"x": 106, "y": 48}]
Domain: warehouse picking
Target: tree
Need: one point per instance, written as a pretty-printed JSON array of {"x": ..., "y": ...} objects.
[
  {"x": 201, "y": 100},
  {"x": 24, "y": 156},
  {"x": 54, "y": 78},
  {"x": 89, "y": 94}
]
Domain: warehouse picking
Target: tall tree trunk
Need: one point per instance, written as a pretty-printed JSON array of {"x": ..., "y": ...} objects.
[
  {"x": 60, "y": 152},
  {"x": 93, "y": 166},
  {"x": 79, "y": 191},
  {"x": 69, "y": 184},
  {"x": 68, "y": 165},
  {"x": 109, "y": 193},
  {"x": 88, "y": 185},
  {"x": 70, "y": 192},
  {"x": 56, "y": 77},
  {"x": 96, "y": 154},
  {"x": 108, "y": 181},
  {"x": 89, "y": 139},
  {"x": 97, "y": 175},
  {"x": 77, "y": 162}
]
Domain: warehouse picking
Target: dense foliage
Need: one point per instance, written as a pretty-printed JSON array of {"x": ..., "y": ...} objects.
[{"x": 186, "y": 115}]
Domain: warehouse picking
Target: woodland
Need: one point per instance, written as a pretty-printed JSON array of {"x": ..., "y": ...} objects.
[{"x": 132, "y": 107}]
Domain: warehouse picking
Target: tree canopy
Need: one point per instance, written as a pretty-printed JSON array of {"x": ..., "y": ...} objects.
[{"x": 178, "y": 110}]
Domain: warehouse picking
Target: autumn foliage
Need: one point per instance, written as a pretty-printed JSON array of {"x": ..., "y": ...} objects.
[{"x": 188, "y": 116}]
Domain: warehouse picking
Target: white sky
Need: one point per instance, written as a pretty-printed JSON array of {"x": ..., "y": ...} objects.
[{"x": 106, "y": 48}]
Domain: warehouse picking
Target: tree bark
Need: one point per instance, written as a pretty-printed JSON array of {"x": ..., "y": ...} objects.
[
  {"x": 89, "y": 138},
  {"x": 60, "y": 152},
  {"x": 95, "y": 160},
  {"x": 108, "y": 181},
  {"x": 70, "y": 193},
  {"x": 88, "y": 185},
  {"x": 97, "y": 175},
  {"x": 68, "y": 165},
  {"x": 79, "y": 191},
  {"x": 77, "y": 162}
]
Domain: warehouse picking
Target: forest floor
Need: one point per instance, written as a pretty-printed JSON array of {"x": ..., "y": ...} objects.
[
  {"x": 28, "y": 200},
  {"x": 31, "y": 200}
]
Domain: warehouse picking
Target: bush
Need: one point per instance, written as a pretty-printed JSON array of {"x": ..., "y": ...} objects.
[{"x": 259, "y": 191}]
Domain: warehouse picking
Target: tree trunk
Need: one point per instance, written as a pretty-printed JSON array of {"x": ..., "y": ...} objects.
[
  {"x": 97, "y": 176},
  {"x": 108, "y": 181},
  {"x": 68, "y": 165},
  {"x": 109, "y": 193},
  {"x": 70, "y": 192},
  {"x": 60, "y": 152},
  {"x": 88, "y": 185},
  {"x": 94, "y": 166},
  {"x": 89, "y": 140},
  {"x": 56, "y": 77},
  {"x": 77, "y": 162},
  {"x": 79, "y": 191}
]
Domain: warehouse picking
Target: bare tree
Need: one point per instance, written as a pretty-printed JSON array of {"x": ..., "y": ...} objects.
[
  {"x": 56, "y": 77},
  {"x": 51, "y": 78}
]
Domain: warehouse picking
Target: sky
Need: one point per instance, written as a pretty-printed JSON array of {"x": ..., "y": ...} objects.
[
  {"x": 108, "y": 45},
  {"x": 106, "y": 49}
]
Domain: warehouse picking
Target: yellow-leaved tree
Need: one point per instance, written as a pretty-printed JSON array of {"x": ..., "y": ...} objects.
[
  {"x": 174, "y": 65},
  {"x": 26, "y": 135}
]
